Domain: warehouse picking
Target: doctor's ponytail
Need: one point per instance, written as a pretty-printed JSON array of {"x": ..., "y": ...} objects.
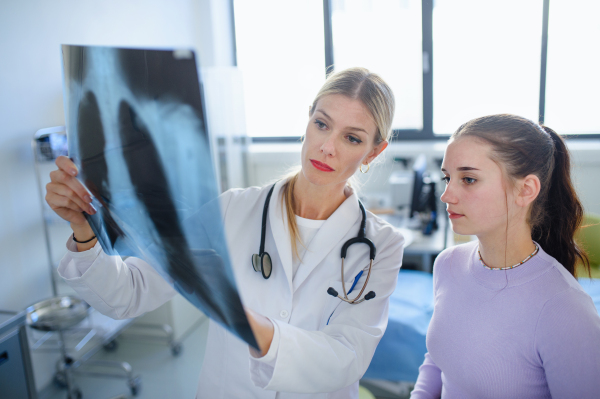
[{"x": 290, "y": 206}]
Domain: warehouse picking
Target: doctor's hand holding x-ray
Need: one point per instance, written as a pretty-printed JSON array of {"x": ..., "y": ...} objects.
[{"x": 316, "y": 327}]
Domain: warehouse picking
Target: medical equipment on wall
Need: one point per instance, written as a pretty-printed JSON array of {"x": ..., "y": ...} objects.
[
  {"x": 261, "y": 262},
  {"x": 400, "y": 183},
  {"x": 413, "y": 195}
]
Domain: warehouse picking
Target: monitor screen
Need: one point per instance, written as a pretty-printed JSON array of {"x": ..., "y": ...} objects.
[{"x": 419, "y": 169}]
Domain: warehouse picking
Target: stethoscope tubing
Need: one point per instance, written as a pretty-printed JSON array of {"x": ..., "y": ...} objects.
[
  {"x": 258, "y": 259},
  {"x": 263, "y": 231},
  {"x": 355, "y": 300}
]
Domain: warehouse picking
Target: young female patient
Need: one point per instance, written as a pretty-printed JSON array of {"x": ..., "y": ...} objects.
[{"x": 510, "y": 319}]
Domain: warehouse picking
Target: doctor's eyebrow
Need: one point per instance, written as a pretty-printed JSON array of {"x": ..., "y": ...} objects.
[
  {"x": 324, "y": 113},
  {"x": 358, "y": 129},
  {"x": 462, "y": 169}
]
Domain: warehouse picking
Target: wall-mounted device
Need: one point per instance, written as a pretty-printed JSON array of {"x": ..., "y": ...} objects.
[{"x": 413, "y": 193}]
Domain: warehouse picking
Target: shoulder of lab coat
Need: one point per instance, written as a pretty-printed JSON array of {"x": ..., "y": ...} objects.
[
  {"x": 337, "y": 356},
  {"x": 242, "y": 199},
  {"x": 116, "y": 288}
]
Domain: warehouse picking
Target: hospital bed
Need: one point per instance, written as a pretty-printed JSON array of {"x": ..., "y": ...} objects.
[{"x": 402, "y": 348}]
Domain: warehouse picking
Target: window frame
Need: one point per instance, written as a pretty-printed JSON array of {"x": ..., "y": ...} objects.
[{"x": 425, "y": 134}]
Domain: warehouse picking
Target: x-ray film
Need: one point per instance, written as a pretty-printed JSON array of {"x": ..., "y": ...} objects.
[{"x": 137, "y": 132}]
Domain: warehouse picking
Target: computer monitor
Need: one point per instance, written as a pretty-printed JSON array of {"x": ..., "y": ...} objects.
[
  {"x": 423, "y": 198},
  {"x": 419, "y": 170}
]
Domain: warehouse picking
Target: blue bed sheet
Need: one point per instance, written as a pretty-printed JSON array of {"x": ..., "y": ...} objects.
[
  {"x": 592, "y": 287},
  {"x": 402, "y": 348}
]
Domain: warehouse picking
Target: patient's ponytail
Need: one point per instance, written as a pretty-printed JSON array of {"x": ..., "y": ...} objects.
[
  {"x": 522, "y": 147},
  {"x": 564, "y": 212}
]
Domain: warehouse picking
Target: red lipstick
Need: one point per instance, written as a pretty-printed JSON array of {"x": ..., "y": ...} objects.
[{"x": 321, "y": 166}]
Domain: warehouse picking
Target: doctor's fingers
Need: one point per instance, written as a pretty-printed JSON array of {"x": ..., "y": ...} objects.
[
  {"x": 66, "y": 165},
  {"x": 59, "y": 176},
  {"x": 65, "y": 208},
  {"x": 59, "y": 195}
]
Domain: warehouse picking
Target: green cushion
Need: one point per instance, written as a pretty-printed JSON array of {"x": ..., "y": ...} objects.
[
  {"x": 588, "y": 237},
  {"x": 364, "y": 393}
]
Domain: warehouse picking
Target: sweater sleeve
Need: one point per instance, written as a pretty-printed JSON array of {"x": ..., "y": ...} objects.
[
  {"x": 429, "y": 382},
  {"x": 568, "y": 342}
]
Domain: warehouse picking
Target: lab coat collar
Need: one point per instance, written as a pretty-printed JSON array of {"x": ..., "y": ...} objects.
[
  {"x": 280, "y": 230},
  {"x": 334, "y": 229},
  {"x": 331, "y": 233}
]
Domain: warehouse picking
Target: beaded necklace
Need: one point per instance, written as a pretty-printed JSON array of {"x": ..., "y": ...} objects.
[{"x": 535, "y": 251}]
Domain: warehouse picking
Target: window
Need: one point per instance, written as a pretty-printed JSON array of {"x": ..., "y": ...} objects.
[
  {"x": 486, "y": 60},
  {"x": 384, "y": 36},
  {"x": 280, "y": 54},
  {"x": 447, "y": 61},
  {"x": 573, "y": 80}
]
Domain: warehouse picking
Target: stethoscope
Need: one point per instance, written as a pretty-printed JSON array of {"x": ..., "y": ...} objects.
[{"x": 261, "y": 262}]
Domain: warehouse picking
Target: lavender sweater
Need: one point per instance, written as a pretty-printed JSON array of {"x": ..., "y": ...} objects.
[{"x": 528, "y": 332}]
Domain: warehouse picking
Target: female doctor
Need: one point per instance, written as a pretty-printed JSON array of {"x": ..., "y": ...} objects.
[{"x": 312, "y": 343}]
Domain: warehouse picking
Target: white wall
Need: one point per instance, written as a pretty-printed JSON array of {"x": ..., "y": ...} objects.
[{"x": 31, "y": 98}]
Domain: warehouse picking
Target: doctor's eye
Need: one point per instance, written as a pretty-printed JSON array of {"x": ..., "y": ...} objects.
[
  {"x": 354, "y": 139},
  {"x": 320, "y": 124}
]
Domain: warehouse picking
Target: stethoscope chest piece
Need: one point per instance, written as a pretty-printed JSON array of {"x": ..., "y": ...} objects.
[{"x": 262, "y": 263}]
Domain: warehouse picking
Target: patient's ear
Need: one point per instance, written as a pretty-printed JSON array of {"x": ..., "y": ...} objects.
[{"x": 529, "y": 189}]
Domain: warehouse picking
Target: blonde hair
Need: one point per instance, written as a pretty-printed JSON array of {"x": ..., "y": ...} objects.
[
  {"x": 377, "y": 97},
  {"x": 370, "y": 89}
]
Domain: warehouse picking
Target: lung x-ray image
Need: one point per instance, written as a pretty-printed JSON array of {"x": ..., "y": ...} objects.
[{"x": 136, "y": 130}]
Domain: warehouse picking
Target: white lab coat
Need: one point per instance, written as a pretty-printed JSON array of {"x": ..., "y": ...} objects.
[{"x": 309, "y": 357}]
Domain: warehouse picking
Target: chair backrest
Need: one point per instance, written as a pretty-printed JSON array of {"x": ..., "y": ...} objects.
[
  {"x": 364, "y": 393},
  {"x": 588, "y": 237}
]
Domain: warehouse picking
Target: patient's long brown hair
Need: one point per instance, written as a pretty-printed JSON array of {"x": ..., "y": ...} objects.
[{"x": 522, "y": 147}]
